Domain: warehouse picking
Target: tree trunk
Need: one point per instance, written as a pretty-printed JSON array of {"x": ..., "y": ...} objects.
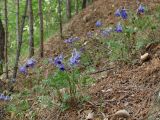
[
  {"x": 2, "y": 44},
  {"x": 41, "y": 27},
  {"x": 17, "y": 20},
  {"x": 18, "y": 37},
  {"x": 60, "y": 17},
  {"x": 31, "y": 30},
  {"x": 20, "y": 41},
  {"x": 6, "y": 38},
  {"x": 84, "y": 3},
  {"x": 76, "y": 6},
  {"x": 68, "y": 9}
]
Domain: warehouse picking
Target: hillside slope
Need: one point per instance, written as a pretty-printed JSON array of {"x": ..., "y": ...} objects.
[{"x": 133, "y": 88}]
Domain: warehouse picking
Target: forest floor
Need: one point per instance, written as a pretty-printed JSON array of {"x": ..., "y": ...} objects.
[{"x": 134, "y": 88}]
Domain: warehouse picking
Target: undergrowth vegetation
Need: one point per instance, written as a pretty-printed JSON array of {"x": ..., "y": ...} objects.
[{"x": 68, "y": 85}]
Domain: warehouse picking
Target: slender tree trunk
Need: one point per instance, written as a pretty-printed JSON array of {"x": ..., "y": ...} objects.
[
  {"x": 60, "y": 18},
  {"x": 76, "y": 6},
  {"x": 2, "y": 44},
  {"x": 31, "y": 30},
  {"x": 6, "y": 38},
  {"x": 18, "y": 37},
  {"x": 41, "y": 27},
  {"x": 84, "y": 4},
  {"x": 20, "y": 41},
  {"x": 1, "y": 66},
  {"x": 17, "y": 20},
  {"x": 68, "y": 9}
]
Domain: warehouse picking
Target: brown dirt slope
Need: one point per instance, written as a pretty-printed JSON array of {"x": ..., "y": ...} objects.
[
  {"x": 84, "y": 22},
  {"x": 131, "y": 88}
]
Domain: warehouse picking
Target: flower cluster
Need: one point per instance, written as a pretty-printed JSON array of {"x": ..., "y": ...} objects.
[
  {"x": 29, "y": 64},
  {"x": 71, "y": 39},
  {"x": 58, "y": 61},
  {"x": 121, "y": 13},
  {"x": 5, "y": 98}
]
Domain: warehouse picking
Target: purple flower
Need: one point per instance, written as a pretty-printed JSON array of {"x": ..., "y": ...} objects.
[
  {"x": 61, "y": 67},
  {"x": 124, "y": 13},
  {"x": 58, "y": 61},
  {"x": 5, "y": 98},
  {"x": 118, "y": 28},
  {"x": 98, "y": 24},
  {"x": 74, "y": 60},
  {"x": 140, "y": 9},
  {"x": 23, "y": 69},
  {"x": 82, "y": 49},
  {"x": 89, "y": 34},
  {"x": 76, "y": 38},
  {"x": 117, "y": 13},
  {"x": 30, "y": 62},
  {"x": 71, "y": 39},
  {"x": 106, "y": 32},
  {"x": 51, "y": 61}
]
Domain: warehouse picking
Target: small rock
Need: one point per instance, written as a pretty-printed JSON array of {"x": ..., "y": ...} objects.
[
  {"x": 90, "y": 116},
  {"x": 145, "y": 57},
  {"x": 62, "y": 91},
  {"x": 109, "y": 90},
  {"x": 85, "y": 43},
  {"x": 86, "y": 18},
  {"x": 121, "y": 114}
]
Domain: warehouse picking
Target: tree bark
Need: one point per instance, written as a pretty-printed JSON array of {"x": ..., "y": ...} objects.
[
  {"x": 17, "y": 20},
  {"x": 84, "y": 4},
  {"x": 31, "y": 30},
  {"x": 41, "y": 26},
  {"x": 2, "y": 44},
  {"x": 60, "y": 18},
  {"x": 68, "y": 9},
  {"x": 20, "y": 41},
  {"x": 76, "y": 6},
  {"x": 6, "y": 38}
]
